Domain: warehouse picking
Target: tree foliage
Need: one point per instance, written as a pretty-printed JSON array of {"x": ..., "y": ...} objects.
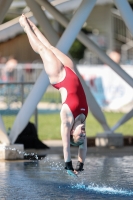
[{"x": 77, "y": 50}]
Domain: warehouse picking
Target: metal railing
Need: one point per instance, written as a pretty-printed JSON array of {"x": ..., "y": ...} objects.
[
  {"x": 12, "y": 97},
  {"x": 20, "y": 73},
  {"x": 16, "y": 86}
]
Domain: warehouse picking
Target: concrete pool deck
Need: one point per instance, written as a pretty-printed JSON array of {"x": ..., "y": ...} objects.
[{"x": 57, "y": 148}]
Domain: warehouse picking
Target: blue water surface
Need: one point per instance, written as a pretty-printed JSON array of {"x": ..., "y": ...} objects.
[{"x": 103, "y": 178}]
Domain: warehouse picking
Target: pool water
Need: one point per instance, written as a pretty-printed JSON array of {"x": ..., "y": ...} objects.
[{"x": 45, "y": 179}]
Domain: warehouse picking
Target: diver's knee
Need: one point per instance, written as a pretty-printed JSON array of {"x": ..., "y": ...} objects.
[{"x": 51, "y": 47}]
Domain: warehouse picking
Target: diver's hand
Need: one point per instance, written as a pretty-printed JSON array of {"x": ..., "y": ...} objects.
[
  {"x": 72, "y": 173},
  {"x": 76, "y": 172},
  {"x": 79, "y": 167},
  {"x": 70, "y": 170}
]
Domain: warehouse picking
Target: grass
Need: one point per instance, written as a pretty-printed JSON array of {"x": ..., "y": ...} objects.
[
  {"x": 49, "y": 125},
  {"x": 52, "y": 96}
]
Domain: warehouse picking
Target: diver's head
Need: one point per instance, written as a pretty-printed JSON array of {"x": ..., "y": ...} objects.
[{"x": 77, "y": 136}]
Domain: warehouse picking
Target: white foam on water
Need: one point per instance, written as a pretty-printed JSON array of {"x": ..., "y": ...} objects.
[{"x": 102, "y": 189}]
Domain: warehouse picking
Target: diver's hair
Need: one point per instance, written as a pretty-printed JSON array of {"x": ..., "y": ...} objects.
[{"x": 72, "y": 142}]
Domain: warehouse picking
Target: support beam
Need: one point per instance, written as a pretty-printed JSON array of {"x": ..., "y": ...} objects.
[
  {"x": 42, "y": 82},
  {"x": 123, "y": 120},
  {"x": 43, "y": 22},
  {"x": 126, "y": 13},
  {"x": 73, "y": 27},
  {"x": 88, "y": 42},
  {"x": 93, "y": 105},
  {"x": 29, "y": 106},
  {"x": 4, "y": 6},
  {"x": 36, "y": 94},
  {"x": 3, "y": 135},
  {"x": 69, "y": 35}
]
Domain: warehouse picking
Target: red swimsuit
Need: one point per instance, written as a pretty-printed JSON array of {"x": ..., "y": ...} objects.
[{"x": 76, "y": 99}]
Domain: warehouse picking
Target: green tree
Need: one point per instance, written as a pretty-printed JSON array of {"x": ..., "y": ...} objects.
[{"x": 77, "y": 50}]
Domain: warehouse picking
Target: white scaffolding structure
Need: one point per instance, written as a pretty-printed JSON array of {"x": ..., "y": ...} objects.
[{"x": 72, "y": 31}]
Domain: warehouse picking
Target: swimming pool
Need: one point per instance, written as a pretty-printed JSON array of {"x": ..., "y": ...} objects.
[{"x": 103, "y": 178}]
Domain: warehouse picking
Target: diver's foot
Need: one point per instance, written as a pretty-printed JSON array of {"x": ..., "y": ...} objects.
[{"x": 23, "y": 22}]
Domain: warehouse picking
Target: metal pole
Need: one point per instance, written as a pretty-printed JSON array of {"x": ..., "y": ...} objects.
[
  {"x": 75, "y": 25},
  {"x": 36, "y": 119},
  {"x": 43, "y": 21},
  {"x": 37, "y": 91},
  {"x": 3, "y": 135},
  {"x": 88, "y": 43},
  {"x": 126, "y": 12},
  {"x": 29, "y": 106},
  {"x": 123, "y": 120},
  {"x": 22, "y": 93},
  {"x": 49, "y": 32},
  {"x": 93, "y": 105},
  {"x": 4, "y": 6}
]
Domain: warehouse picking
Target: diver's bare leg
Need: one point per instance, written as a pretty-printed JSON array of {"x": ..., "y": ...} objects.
[
  {"x": 52, "y": 64},
  {"x": 61, "y": 56},
  {"x": 34, "y": 41}
]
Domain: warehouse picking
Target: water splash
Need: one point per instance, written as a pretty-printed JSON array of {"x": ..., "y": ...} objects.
[
  {"x": 102, "y": 189},
  {"x": 53, "y": 165},
  {"x": 30, "y": 155},
  {"x": 34, "y": 157}
]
